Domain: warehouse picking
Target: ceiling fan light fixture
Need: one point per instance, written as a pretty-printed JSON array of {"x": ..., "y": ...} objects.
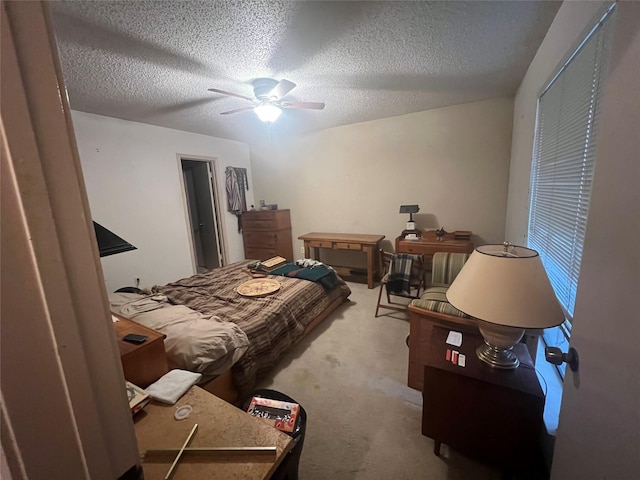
[{"x": 267, "y": 112}]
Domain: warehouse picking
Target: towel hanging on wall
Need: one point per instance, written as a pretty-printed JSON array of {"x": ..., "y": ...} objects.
[{"x": 237, "y": 184}]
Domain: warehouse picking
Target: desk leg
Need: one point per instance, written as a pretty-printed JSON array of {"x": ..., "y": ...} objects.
[
  {"x": 370, "y": 264},
  {"x": 306, "y": 250}
]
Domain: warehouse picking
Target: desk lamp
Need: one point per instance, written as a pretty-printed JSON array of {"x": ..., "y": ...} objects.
[
  {"x": 507, "y": 289},
  {"x": 410, "y": 231}
]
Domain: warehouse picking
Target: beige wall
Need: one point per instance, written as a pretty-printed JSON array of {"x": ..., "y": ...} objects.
[
  {"x": 453, "y": 162},
  {"x": 569, "y": 25}
]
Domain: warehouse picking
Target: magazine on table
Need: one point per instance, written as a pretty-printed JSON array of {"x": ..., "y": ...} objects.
[{"x": 281, "y": 415}]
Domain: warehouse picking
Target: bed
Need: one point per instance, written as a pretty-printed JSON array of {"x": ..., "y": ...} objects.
[{"x": 261, "y": 329}]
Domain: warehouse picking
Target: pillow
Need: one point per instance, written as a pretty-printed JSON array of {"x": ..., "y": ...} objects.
[
  {"x": 197, "y": 342},
  {"x": 435, "y": 300},
  {"x": 132, "y": 304}
]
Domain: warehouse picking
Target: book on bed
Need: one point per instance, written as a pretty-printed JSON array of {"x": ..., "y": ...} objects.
[{"x": 273, "y": 263}]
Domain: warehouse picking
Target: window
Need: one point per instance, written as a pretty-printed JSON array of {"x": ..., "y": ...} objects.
[{"x": 563, "y": 165}]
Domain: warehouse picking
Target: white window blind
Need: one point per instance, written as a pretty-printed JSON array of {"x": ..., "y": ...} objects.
[{"x": 564, "y": 160}]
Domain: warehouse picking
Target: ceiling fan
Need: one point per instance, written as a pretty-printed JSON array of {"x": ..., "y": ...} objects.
[{"x": 268, "y": 102}]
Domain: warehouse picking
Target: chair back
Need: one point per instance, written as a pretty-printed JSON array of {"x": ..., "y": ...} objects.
[
  {"x": 417, "y": 266},
  {"x": 446, "y": 266},
  {"x": 385, "y": 261}
]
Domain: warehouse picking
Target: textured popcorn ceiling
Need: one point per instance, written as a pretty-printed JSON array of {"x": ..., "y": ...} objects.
[{"x": 153, "y": 61}]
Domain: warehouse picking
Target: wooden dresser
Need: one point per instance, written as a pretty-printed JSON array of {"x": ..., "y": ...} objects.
[
  {"x": 266, "y": 234},
  {"x": 142, "y": 363}
]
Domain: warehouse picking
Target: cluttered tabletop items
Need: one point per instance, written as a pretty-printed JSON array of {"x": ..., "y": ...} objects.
[{"x": 201, "y": 436}]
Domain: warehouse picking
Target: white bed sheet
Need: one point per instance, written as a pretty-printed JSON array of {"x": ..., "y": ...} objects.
[{"x": 196, "y": 342}]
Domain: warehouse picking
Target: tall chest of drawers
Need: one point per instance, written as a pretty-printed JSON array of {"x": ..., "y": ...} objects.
[{"x": 266, "y": 234}]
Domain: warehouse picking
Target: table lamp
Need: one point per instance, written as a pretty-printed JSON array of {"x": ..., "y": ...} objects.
[
  {"x": 507, "y": 289},
  {"x": 411, "y": 231}
]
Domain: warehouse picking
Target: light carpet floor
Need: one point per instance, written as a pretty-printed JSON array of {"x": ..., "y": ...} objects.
[{"x": 350, "y": 375}]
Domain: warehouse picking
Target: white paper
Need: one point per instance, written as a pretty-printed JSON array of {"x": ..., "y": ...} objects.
[
  {"x": 462, "y": 360},
  {"x": 454, "y": 338},
  {"x": 114, "y": 318}
]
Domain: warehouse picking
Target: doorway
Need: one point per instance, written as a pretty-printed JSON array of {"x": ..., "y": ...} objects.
[{"x": 201, "y": 200}]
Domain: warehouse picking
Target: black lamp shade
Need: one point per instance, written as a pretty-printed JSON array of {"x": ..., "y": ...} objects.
[
  {"x": 109, "y": 243},
  {"x": 409, "y": 208}
]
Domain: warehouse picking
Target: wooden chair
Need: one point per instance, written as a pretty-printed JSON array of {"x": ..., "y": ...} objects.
[{"x": 417, "y": 281}]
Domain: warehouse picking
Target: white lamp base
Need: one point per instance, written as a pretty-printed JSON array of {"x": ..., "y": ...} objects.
[{"x": 499, "y": 340}]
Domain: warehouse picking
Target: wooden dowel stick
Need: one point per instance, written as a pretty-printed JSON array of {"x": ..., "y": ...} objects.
[{"x": 175, "y": 462}]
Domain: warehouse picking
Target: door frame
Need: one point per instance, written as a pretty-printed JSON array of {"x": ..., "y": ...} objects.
[
  {"x": 216, "y": 203},
  {"x": 65, "y": 410}
]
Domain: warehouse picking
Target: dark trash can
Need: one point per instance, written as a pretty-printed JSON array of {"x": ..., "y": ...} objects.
[{"x": 288, "y": 469}]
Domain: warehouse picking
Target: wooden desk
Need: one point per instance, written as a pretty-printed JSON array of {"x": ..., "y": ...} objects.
[
  {"x": 220, "y": 424},
  {"x": 369, "y": 244},
  {"x": 489, "y": 414},
  {"x": 428, "y": 244}
]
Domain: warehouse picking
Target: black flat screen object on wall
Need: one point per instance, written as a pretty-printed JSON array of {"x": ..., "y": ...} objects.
[{"x": 109, "y": 243}]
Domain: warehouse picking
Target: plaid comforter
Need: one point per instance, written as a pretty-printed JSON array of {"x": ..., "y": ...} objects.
[{"x": 273, "y": 323}]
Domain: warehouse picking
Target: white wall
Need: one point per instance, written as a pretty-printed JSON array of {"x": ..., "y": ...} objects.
[
  {"x": 453, "y": 162},
  {"x": 600, "y": 416},
  {"x": 132, "y": 176},
  {"x": 567, "y": 28},
  {"x": 598, "y": 434}
]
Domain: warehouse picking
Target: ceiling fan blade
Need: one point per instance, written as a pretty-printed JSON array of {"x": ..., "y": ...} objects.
[
  {"x": 306, "y": 105},
  {"x": 237, "y": 110},
  {"x": 231, "y": 94},
  {"x": 282, "y": 88}
]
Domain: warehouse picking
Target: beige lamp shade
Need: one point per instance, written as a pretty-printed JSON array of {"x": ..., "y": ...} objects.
[{"x": 506, "y": 285}]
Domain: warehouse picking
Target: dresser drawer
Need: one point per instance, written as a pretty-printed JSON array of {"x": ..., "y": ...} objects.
[
  {"x": 347, "y": 246},
  {"x": 417, "y": 248},
  {"x": 262, "y": 224},
  {"x": 429, "y": 248},
  {"x": 266, "y": 220},
  {"x": 321, "y": 244},
  {"x": 253, "y": 253},
  {"x": 260, "y": 239}
]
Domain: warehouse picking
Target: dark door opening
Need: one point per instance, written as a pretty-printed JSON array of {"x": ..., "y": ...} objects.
[{"x": 199, "y": 186}]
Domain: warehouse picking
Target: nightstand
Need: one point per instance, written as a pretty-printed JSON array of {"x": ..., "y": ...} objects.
[
  {"x": 486, "y": 413},
  {"x": 142, "y": 363}
]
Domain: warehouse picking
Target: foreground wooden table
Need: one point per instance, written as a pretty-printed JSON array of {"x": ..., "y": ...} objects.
[
  {"x": 220, "y": 424},
  {"x": 369, "y": 244}
]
